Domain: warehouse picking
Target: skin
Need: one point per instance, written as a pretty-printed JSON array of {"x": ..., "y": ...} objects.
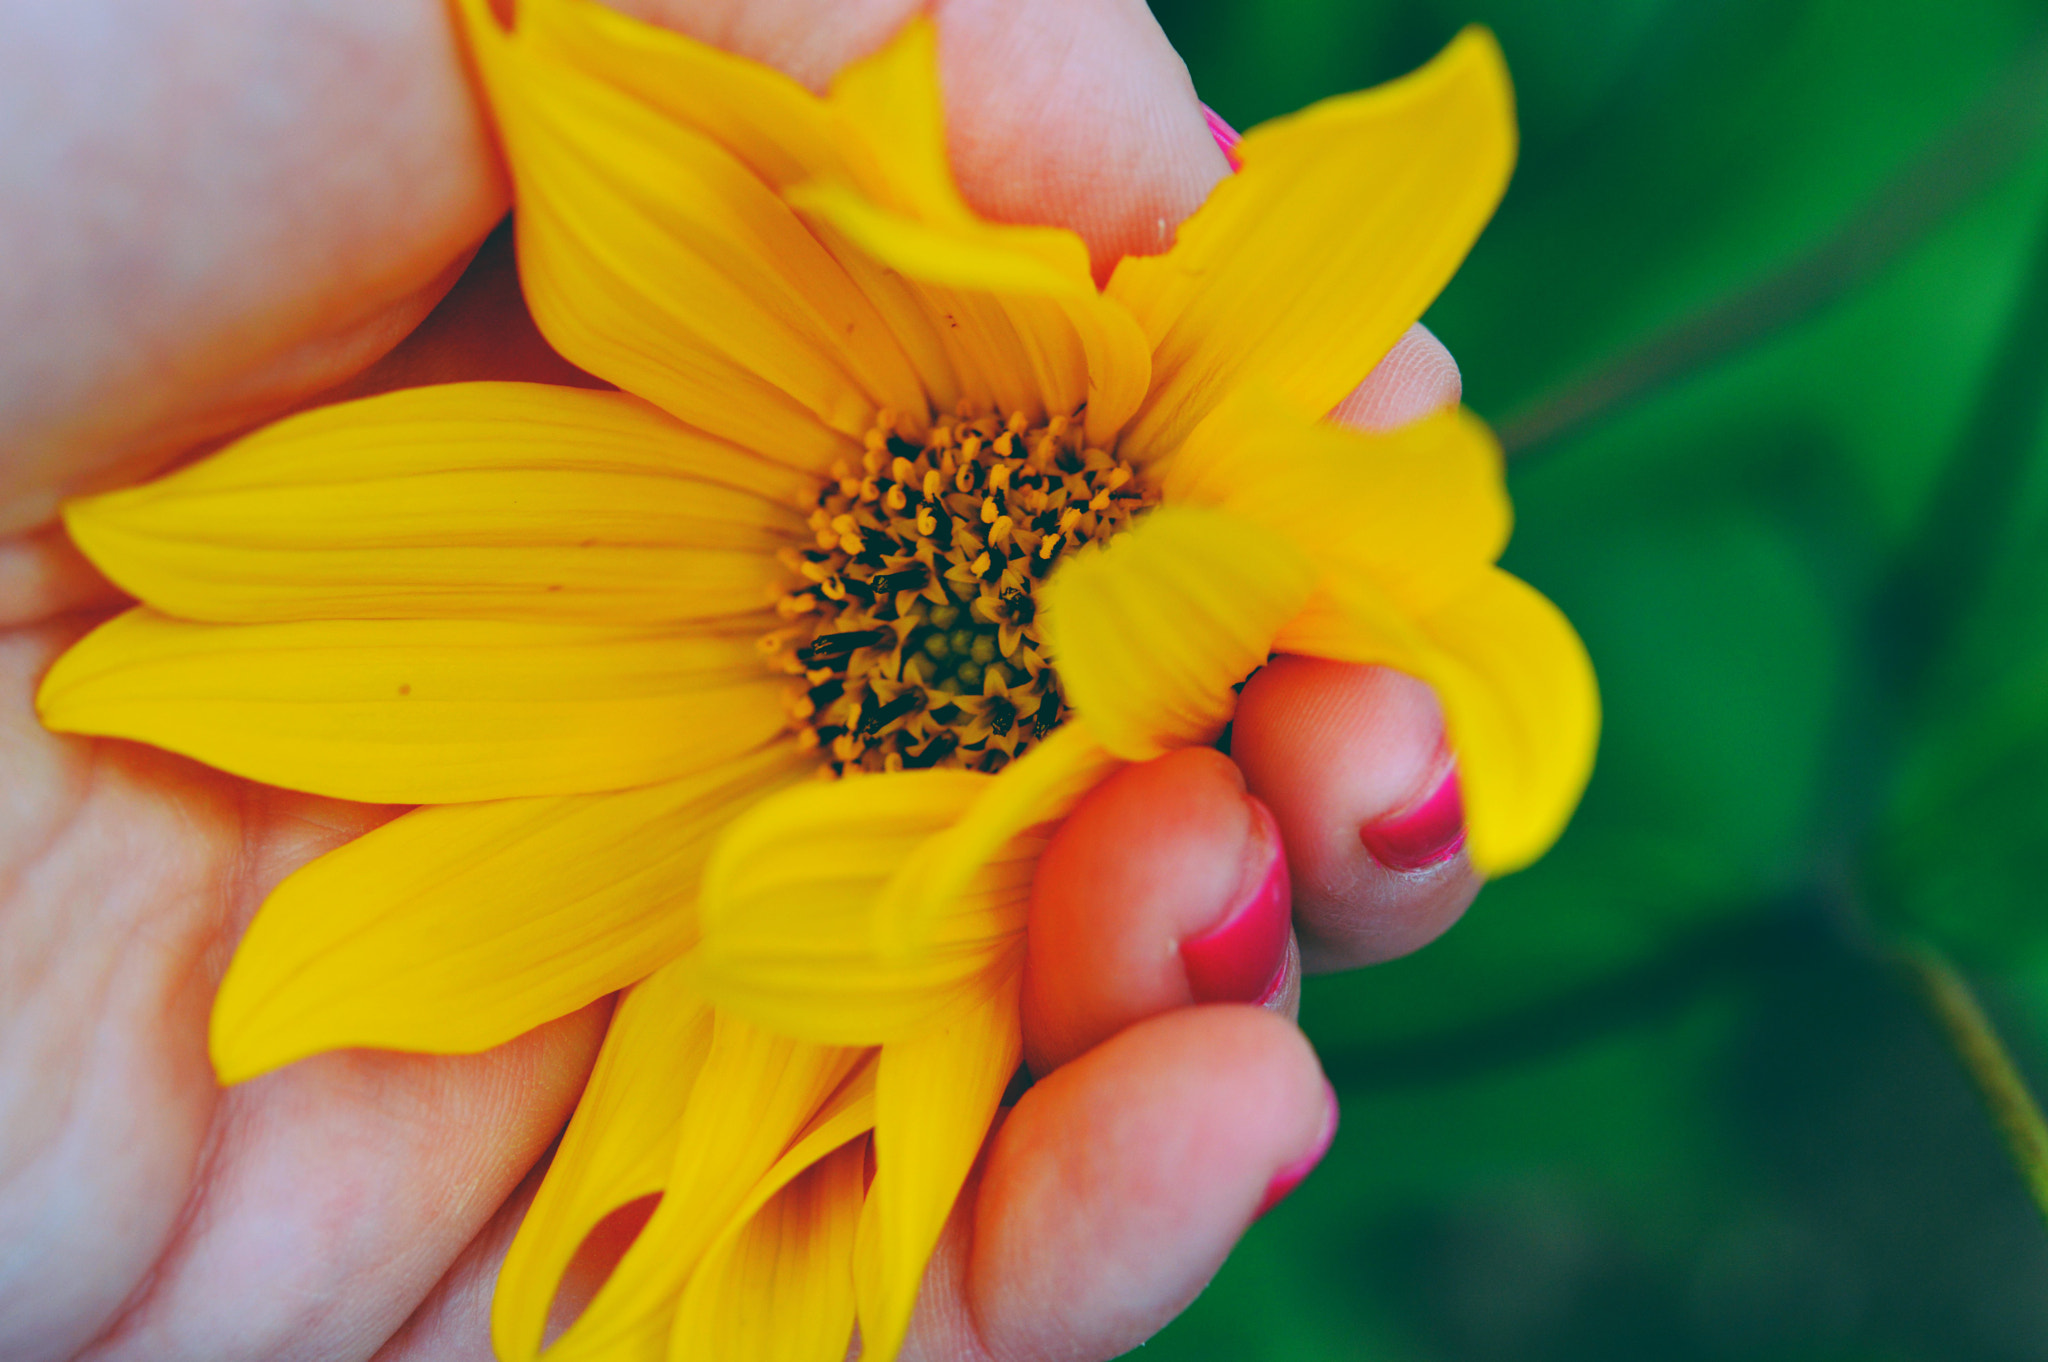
[{"x": 217, "y": 215}]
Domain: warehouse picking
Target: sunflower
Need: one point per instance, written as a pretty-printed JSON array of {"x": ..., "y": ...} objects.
[{"x": 754, "y": 686}]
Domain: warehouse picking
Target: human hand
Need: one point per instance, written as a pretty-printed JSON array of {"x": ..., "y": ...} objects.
[{"x": 309, "y": 1212}]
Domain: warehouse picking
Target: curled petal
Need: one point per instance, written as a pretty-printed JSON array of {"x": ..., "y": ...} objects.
[
  {"x": 1520, "y": 703},
  {"x": 618, "y": 1148},
  {"x": 1039, "y": 788},
  {"x": 762, "y": 1106},
  {"x": 778, "y": 1285},
  {"x": 1152, "y": 631},
  {"x": 791, "y": 898},
  {"x": 654, "y": 257},
  {"x": 934, "y": 1099}
]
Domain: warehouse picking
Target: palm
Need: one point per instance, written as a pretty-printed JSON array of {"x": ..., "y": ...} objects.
[{"x": 146, "y": 1209}]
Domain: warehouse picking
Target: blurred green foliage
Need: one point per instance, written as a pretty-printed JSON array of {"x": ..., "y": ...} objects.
[{"x": 1661, "y": 1097}]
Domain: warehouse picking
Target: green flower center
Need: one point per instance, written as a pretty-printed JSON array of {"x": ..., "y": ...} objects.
[{"x": 915, "y": 628}]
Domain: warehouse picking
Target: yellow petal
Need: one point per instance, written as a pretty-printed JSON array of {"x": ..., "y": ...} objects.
[
  {"x": 755, "y": 1095},
  {"x": 934, "y": 1099},
  {"x": 618, "y": 1148},
  {"x": 789, "y": 903},
  {"x": 1520, "y": 703},
  {"x": 1304, "y": 268},
  {"x": 778, "y": 1286},
  {"x": 889, "y": 119},
  {"x": 1015, "y": 305},
  {"x": 421, "y": 711},
  {"x": 929, "y": 883},
  {"x": 782, "y": 132},
  {"x": 779, "y": 130},
  {"x": 481, "y": 500},
  {"x": 1024, "y": 335},
  {"x": 1152, "y": 630},
  {"x": 459, "y": 927},
  {"x": 1421, "y": 510},
  {"x": 655, "y": 258}
]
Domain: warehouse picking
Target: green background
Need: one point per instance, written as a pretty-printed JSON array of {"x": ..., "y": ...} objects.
[{"x": 1764, "y": 319}]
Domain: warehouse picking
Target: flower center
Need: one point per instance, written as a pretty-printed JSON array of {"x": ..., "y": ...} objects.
[{"x": 915, "y": 629}]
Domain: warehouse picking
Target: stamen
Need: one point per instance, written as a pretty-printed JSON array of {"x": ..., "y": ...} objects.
[
  {"x": 838, "y": 647},
  {"x": 908, "y": 579},
  {"x": 879, "y": 718},
  {"x": 912, "y": 636}
]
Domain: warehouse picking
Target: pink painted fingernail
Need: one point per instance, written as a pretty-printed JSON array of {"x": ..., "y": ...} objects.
[
  {"x": 1289, "y": 1178},
  {"x": 1243, "y": 958},
  {"x": 1226, "y": 136},
  {"x": 1424, "y": 835}
]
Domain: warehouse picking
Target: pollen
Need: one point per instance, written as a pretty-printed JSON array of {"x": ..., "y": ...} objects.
[{"x": 914, "y": 638}]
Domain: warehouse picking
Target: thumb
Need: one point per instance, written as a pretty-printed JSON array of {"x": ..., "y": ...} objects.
[
  {"x": 1067, "y": 113},
  {"x": 1076, "y": 113}
]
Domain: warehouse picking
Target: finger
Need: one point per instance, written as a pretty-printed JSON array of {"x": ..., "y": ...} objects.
[
  {"x": 799, "y": 38},
  {"x": 1352, "y": 762},
  {"x": 1166, "y": 886},
  {"x": 1416, "y": 377},
  {"x": 1117, "y": 1186},
  {"x": 1076, "y": 114},
  {"x": 481, "y": 330},
  {"x": 43, "y": 575},
  {"x": 1072, "y": 113},
  {"x": 189, "y": 267},
  {"x": 336, "y": 1192},
  {"x": 453, "y": 1324}
]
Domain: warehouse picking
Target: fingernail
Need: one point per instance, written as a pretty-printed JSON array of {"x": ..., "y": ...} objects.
[
  {"x": 1226, "y": 137},
  {"x": 1289, "y": 1178},
  {"x": 1242, "y": 958},
  {"x": 1427, "y": 834}
]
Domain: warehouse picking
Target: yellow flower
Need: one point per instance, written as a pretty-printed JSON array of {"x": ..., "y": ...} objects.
[{"x": 890, "y": 491}]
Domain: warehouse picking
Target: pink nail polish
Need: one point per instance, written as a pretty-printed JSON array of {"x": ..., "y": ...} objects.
[
  {"x": 1427, "y": 834},
  {"x": 1226, "y": 137},
  {"x": 1242, "y": 958},
  {"x": 1289, "y": 1178}
]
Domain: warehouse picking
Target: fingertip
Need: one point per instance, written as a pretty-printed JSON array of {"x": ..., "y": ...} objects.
[
  {"x": 1081, "y": 116},
  {"x": 1295, "y": 1171},
  {"x": 1418, "y": 376},
  {"x": 1352, "y": 760},
  {"x": 1069, "y": 115},
  {"x": 1166, "y": 886},
  {"x": 43, "y": 575},
  {"x": 1120, "y": 1183},
  {"x": 1241, "y": 956}
]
